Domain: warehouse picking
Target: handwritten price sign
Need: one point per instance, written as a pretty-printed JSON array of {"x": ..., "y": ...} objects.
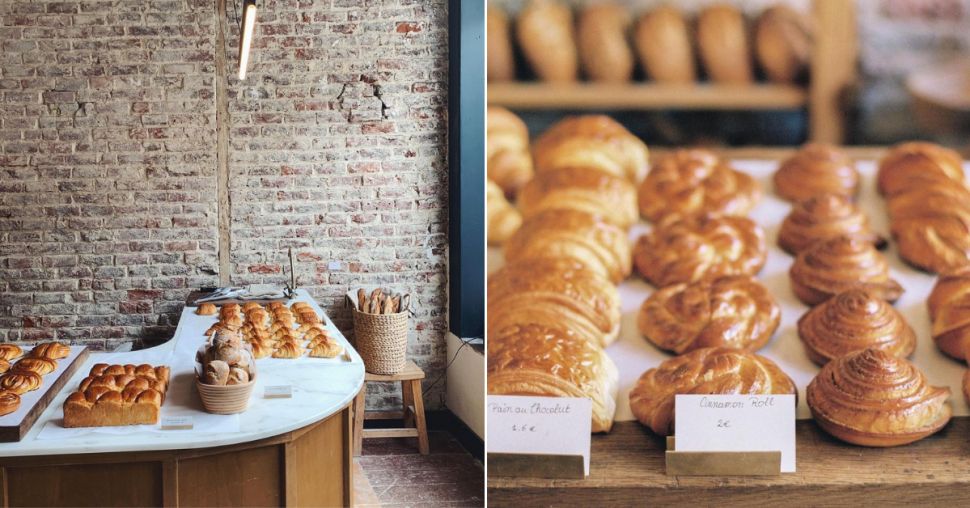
[{"x": 539, "y": 425}]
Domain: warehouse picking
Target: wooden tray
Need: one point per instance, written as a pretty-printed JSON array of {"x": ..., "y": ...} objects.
[
  {"x": 195, "y": 295},
  {"x": 54, "y": 382}
]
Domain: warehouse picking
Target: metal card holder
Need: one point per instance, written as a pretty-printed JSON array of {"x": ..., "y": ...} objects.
[
  {"x": 556, "y": 467},
  {"x": 720, "y": 463}
]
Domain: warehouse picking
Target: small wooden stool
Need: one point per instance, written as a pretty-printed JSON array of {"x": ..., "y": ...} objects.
[{"x": 413, "y": 413}]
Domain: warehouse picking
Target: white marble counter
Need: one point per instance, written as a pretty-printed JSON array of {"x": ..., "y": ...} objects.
[{"x": 319, "y": 391}]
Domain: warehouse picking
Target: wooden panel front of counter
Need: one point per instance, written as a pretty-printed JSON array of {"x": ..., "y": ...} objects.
[{"x": 311, "y": 466}]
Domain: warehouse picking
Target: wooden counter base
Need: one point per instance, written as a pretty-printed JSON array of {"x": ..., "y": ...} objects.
[
  {"x": 311, "y": 466},
  {"x": 627, "y": 469}
]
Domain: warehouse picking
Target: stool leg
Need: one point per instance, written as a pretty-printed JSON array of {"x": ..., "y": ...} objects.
[
  {"x": 419, "y": 416},
  {"x": 359, "y": 420},
  {"x": 408, "y": 402}
]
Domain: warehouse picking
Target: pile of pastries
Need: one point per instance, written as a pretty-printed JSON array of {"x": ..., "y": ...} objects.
[
  {"x": 114, "y": 395},
  {"x": 274, "y": 330},
  {"x": 25, "y": 373},
  {"x": 559, "y": 45},
  {"x": 225, "y": 361},
  {"x": 554, "y": 306}
]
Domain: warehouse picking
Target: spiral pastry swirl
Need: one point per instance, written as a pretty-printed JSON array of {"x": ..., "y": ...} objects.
[
  {"x": 707, "y": 371},
  {"x": 690, "y": 249},
  {"x": 822, "y": 217},
  {"x": 586, "y": 190},
  {"x": 734, "y": 312},
  {"x": 696, "y": 182},
  {"x": 830, "y": 267},
  {"x": 851, "y": 321},
  {"x": 872, "y": 398},
  {"x": 9, "y": 402},
  {"x": 816, "y": 169}
]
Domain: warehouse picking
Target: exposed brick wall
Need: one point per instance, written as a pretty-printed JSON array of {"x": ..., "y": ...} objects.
[{"x": 108, "y": 165}]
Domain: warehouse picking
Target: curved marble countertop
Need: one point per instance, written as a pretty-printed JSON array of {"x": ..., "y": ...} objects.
[{"x": 319, "y": 391}]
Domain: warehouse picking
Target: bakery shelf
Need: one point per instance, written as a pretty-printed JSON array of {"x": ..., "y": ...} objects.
[{"x": 645, "y": 96}]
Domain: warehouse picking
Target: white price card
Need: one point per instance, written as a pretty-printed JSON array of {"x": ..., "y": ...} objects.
[
  {"x": 278, "y": 392},
  {"x": 737, "y": 423},
  {"x": 176, "y": 422},
  {"x": 539, "y": 425}
]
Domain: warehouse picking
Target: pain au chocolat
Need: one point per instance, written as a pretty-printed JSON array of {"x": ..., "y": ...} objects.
[
  {"x": 592, "y": 191},
  {"x": 823, "y": 217},
  {"x": 551, "y": 361},
  {"x": 592, "y": 142},
  {"x": 830, "y": 267},
  {"x": 872, "y": 398},
  {"x": 705, "y": 371},
  {"x": 696, "y": 182},
  {"x": 733, "y": 311},
  {"x": 816, "y": 169},
  {"x": 690, "y": 249},
  {"x": 854, "y": 320}
]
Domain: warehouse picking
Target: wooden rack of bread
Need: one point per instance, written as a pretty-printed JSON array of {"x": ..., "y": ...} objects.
[{"x": 275, "y": 329}]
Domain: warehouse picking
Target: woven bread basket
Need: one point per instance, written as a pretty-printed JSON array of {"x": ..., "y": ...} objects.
[
  {"x": 381, "y": 339},
  {"x": 225, "y": 400}
]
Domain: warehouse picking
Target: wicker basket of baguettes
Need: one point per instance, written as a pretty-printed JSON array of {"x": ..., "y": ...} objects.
[
  {"x": 380, "y": 328},
  {"x": 601, "y": 42},
  {"x": 554, "y": 306}
]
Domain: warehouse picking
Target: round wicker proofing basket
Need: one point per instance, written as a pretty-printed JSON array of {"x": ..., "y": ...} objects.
[
  {"x": 382, "y": 341},
  {"x": 226, "y": 400}
]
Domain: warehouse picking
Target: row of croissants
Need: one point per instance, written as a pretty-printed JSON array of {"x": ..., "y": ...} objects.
[
  {"x": 604, "y": 44},
  {"x": 555, "y": 305}
]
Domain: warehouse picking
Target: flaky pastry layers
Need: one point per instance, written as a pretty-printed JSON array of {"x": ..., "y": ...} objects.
[
  {"x": 508, "y": 161},
  {"x": 502, "y": 219},
  {"x": 696, "y": 182},
  {"x": 823, "y": 217},
  {"x": 733, "y": 311},
  {"x": 872, "y": 398},
  {"x": 830, "y": 267},
  {"x": 691, "y": 249},
  {"x": 593, "y": 142},
  {"x": 706, "y": 371},
  {"x": 600, "y": 246},
  {"x": 816, "y": 169},
  {"x": 949, "y": 308},
  {"x": 545, "y": 33},
  {"x": 931, "y": 225},
  {"x": 550, "y": 361},
  {"x": 9, "y": 402},
  {"x": 851, "y": 321},
  {"x": 582, "y": 189},
  {"x": 909, "y": 166},
  {"x": 604, "y": 50}
]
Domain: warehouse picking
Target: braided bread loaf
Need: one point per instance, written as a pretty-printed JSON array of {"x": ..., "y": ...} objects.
[{"x": 117, "y": 395}]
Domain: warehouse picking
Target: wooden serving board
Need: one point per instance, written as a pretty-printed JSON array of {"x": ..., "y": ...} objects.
[
  {"x": 14, "y": 426},
  {"x": 195, "y": 295}
]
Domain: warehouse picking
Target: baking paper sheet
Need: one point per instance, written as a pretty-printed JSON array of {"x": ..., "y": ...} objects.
[{"x": 633, "y": 355}]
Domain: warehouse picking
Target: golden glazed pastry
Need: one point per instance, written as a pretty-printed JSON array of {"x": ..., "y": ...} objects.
[
  {"x": 931, "y": 226},
  {"x": 695, "y": 182},
  {"x": 554, "y": 291},
  {"x": 4, "y": 365},
  {"x": 502, "y": 219},
  {"x": 602, "y": 247},
  {"x": 872, "y": 398},
  {"x": 550, "y": 361},
  {"x": 41, "y": 366},
  {"x": 206, "y": 309},
  {"x": 851, "y": 321},
  {"x": 952, "y": 288},
  {"x": 9, "y": 402},
  {"x": 10, "y": 351},
  {"x": 604, "y": 50},
  {"x": 261, "y": 349},
  {"x": 782, "y": 43},
  {"x": 830, "y": 267},
  {"x": 909, "y": 166},
  {"x": 707, "y": 371},
  {"x": 289, "y": 350},
  {"x": 325, "y": 349},
  {"x": 52, "y": 350},
  {"x": 500, "y": 62},
  {"x": 824, "y": 217},
  {"x": 949, "y": 307},
  {"x": 250, "y": 306},
  {"x": 21, "y": 382},
  {"x": 664, "y": 46},
  {"x": 544, "y": 30},
  {"x": 733, "y": 311},
  {"x": 586, "y": 190},
  {"x": 162, "y": 373},
  {"x": 722, "y": 42},
  {"x": 816, "y": 169},
  {"x": 694, "y": 248},
  {"x": 592, "y": 142},
  {"x": 120, "y": 400}
]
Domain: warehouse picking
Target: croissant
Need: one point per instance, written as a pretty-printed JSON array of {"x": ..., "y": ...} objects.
[
  {"x": 550, "y": 361},
  {"x": 824, "y": 217},
  {"x": 664, "y": 46},
  {"x": 585, "y": 190},
  {"x": 325, "y": 349},
  {"x": 52, "y": 350},
  {"x": 851, "y": 321},
  {"x": 602, "y": 247},
  {"x": 10, "y": 351},
  {"x": 289, "y": 350},
  {"x": 782, "y": 44},
  {"x": 690, "y": 249},
  {"x": 872, "y": 398},
  {"x": 912, "y": 165},
  {"x": 9, "y": 402},
  {"x": 722, "y": 41},
  {"x": 250, "y": 306},
  {"x": 551, "y": 291},
  {"x": 604, "y": 51},
  {"x": 545, "y": 33},
  {"x": 816, "y": 169},
  {"x": 41, "y": 366},
  {"x": 500, "y": 63},
  {"x": 715, "y": 370},
  {"x": 261, "y": 349},
  {"x": 591, "y": 142},
  {"x": 733, "y": 311},
  {"x": 502, "y": 219},
  {"x": 21, "y": 381},
  {"x": 206, "y": 309},
  {"x": 832, "y": 266},
  {"x": 696, "y": 182}
]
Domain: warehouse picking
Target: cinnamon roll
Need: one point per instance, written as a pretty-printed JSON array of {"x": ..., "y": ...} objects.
[
  {"x": 42, "y": 366},
  {"x": 709, "y": 371},
  {"x": 52, "y": 350},
  {"x": 872, "y": 398},
  {"x": 4, "y": 365},
  {"x": 592, "y": 142},
  {"x": 832, "y": 266},
  {"x": 823, "y": 217},
  {"x": 9, "y": 402},
  {"x": 851, "y": 321},
  {"x": 816, "y": 169},
  {"x": 585, "y": 190},
  {"x": 912, "y": 165},
  {"x": 21, "y": 381},
  {"x": 10, "y": 351},
  {"x": 733, "y": 311},
  {"x": 691, "y": 249}
]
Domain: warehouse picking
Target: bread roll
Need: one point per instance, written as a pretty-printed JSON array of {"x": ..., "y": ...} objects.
[
  {"x": 664, "y": 46},
  {"x": 830, "y": 267},
  {"x": 604, "y": 48},
  {"x": 508, "y": 161},
  {"x": 206, "y": 309},
  {"x": 783, "y": 44},
  {"x": 237, "y": 376},
  {"x": 592, "y": 142},
  {"x": 545, "y": 33},
  {"x": 501, "y": 63},
  {"x": 502, "y": 219},
  {"x": 216, "y": 373},
  {"x": 9, "y": 402},
  {"x": 722, "y": 41},
  {"x": 816, "y": 169},
  {"x": 824, "y": 217},
  {"x": 591, "y": 191}
]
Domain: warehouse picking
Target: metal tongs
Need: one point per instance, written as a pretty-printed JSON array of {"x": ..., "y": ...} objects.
[{"x": 223, "y": 293}]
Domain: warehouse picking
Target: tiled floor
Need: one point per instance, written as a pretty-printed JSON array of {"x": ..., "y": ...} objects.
[{"x": 390, "y": 473}]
